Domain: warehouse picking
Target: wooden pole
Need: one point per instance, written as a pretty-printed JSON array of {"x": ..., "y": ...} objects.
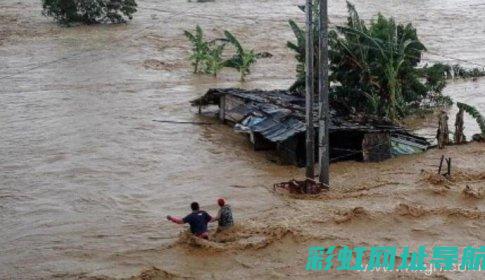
[
  {"x": 323, "y": 88},
  {"x": 459, "y": 127},
  {"x": 222, "y": 108},
  {"x": 449, "y": 167},
  {"x": 441, "y": 164},
  {"x": 310, "y": 130},
  {"x": 443, "y": 131}
]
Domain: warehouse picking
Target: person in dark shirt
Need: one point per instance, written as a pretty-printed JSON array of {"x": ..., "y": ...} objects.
[{"x": 197, "y": 220}]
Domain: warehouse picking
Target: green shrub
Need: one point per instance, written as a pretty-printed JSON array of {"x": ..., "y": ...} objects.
[{"x": 89, "y": 11}]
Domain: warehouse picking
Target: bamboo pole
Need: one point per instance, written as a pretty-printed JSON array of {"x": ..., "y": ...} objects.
[
  {"x": 310, "y": 130},
  {"x": 323, "y": 88}
]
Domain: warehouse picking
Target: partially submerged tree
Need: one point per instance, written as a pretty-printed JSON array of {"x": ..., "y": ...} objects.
[
  {"x": 443, "y": 133},
  {"x": 89, "y": 11},
  {"x": 457, "y": 71},
  {"x": 375, "y": 68},
  {"x": 200, "y": 47},
  {"x": 243, "y": 58},
  {"x": 459, "y": 135},
  {"x": 472, "y": 111},
  {"x": 299, "y": 48},
  {"x": 371, "y": 62},
  {"x": 207, "y": 56},
  {"x": 214, "y": 61}
]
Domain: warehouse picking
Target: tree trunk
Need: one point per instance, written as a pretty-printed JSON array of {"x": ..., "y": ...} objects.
[
  {"x": 443, "y": 131},
  {"x": 459, "y": 136}
]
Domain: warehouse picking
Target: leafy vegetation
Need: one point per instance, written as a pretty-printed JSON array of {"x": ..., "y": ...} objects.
[
  {"x": 376, "y": 65},
  {"x": 213, "y": 61},
  {"x": 375, "y": 68},
  {"x": 207, "y": 56},
  {"x": 89, "y": 11},
  {"x": 457, "y": 71},
  {"x": 200, "y": 48},
  {"x": 472, "y": 111},
  {"x": 300, "y": 55},
  {"x": 243, "y": 59}
]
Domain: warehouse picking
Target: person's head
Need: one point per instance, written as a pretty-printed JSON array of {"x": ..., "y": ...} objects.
[
  {"x": 194, "y": 206},
  {"x": 221, "y": 202}
]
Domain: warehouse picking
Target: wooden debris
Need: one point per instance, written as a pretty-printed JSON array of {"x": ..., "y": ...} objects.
[
  {"x": 448, "y": 166},
  {"x": 183, "y": 122},
  {"x": 472, "y": 193},
  {"x": 307, "y": 186}
]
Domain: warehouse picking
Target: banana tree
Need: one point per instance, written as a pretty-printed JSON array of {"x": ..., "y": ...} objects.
[
  {"x": 213, "y": 61},
  {"x": 374, "y": 68},
  {"x": 242, "y": 59},
  {"x": 299, "y": 48},
  {"x": 200, "y": 48},
  {"x": 375, "y": 65},
  {"x": 392, "y": 54}
]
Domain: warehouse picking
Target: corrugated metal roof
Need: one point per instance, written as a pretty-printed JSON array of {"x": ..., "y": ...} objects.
[
  {"x": 272, "y": 122},
  {"x": 281, "y": 114}
]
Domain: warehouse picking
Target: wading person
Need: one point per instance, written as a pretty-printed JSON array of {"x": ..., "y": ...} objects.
[
  {"x": 224, "y": 216},
  {"x": 197, "y": 220}
]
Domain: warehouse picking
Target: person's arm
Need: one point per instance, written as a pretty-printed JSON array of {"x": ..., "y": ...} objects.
[
  {"x": 176, "y": 220},
  {"x": 216, "y": 218},
  {"x": 209, "y": 218}
]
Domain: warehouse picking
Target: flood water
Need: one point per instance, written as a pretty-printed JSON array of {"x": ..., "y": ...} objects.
[{"x": 86, "y": 175}]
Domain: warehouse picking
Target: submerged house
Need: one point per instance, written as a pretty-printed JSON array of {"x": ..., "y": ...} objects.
[{"x": 275, "y": 120}]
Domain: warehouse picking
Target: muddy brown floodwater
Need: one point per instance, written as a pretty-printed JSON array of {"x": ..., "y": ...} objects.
[{"x": 86, "y": 176}]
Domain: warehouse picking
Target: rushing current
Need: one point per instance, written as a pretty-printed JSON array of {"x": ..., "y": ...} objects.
[{"x": 86, "y": 175}]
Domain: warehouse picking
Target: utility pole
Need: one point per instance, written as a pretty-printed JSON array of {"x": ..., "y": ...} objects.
[
  {"x": 323, "y": 84},
  {"x": 310, "y": 130}
]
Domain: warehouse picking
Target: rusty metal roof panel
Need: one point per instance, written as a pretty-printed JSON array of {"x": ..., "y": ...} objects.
[{"x": 283, "y": 113}]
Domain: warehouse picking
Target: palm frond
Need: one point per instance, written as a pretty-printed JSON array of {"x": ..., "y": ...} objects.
[
  {"x": 190, "y": 36},
  {"x": 231, "y": 39},
  {"x": 472, "y": 111}
]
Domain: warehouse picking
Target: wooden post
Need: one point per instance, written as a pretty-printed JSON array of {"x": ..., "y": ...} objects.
[
  {"x": 310, "y": 129},
  {"x": 441, "y": 164},
  {"x": 222, "y": 108},
  {"x": 459, "y": 126},
  {"x": 443, "y": 132},
  {"x": 323, "y": 88},
  {"x": 449, "y": 167}
]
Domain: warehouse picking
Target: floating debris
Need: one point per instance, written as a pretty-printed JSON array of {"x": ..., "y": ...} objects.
[{"x": 307, "y": 186}]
